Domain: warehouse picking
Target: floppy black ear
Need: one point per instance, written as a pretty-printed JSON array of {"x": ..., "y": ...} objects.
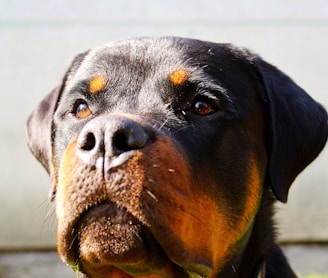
[
  {"x": 39, "y": 124},
  {"x": 297, "y": 128},
  {"x": 38, "y": 130}
]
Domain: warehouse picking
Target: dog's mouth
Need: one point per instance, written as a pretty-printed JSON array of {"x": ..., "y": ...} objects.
[
  {"x": 108, "y": 229},
  {"x": 107, "y": 239},
  {"x": 108, "y": 235}
]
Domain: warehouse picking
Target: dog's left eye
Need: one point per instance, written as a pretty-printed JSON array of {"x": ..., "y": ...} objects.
[
  {"x": 203, "y": 108},
  {"x": 82, "y": 110}
]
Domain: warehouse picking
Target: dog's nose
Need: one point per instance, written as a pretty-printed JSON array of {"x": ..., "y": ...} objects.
[{"x": 110, "y": 137}]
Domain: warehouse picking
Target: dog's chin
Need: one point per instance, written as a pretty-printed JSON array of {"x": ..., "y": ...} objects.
[
  {"x": 110, "y": 241},
  {"x": 108, "y": 234}
]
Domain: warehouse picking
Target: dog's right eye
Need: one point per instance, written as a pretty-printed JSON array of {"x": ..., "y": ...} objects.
[
  {"x": 82, "y": 110},
  {"x": 202, "y": 108}
]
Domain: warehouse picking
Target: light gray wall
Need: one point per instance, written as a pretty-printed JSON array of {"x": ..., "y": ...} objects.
[{"x": 38, "y": 39}]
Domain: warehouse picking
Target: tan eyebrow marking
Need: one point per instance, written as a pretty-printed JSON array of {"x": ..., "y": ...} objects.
[
  {"x": 97, "y": 84},
  {"x": 179, "y": 77}
]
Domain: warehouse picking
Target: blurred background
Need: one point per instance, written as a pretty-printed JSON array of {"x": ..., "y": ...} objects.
[{"x": 38, "y": 40}]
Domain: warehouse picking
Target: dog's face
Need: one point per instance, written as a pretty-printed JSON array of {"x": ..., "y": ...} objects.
[
  {"x": 147, "y": 147},
  {"x": 159, "y": 150}
]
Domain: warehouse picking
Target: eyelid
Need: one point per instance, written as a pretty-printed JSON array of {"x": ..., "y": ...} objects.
[{"x": 207, "y": 95}]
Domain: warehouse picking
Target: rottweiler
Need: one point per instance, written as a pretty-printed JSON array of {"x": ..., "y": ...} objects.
[{"x": 167, "y": 154}]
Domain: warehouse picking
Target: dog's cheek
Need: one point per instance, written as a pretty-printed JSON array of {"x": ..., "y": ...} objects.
[
  {"x": 225, "y": 228},
  {"x": 197, "y": 229},
  {"x": 188, "y": 225}
]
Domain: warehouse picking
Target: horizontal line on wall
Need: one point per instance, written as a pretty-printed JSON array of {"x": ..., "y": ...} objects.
[{"x": 174, "y": 22}]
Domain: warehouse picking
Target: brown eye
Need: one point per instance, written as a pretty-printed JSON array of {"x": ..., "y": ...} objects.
[
  {"x": 82, "y": 110},
  {"x": 203, "y": 108}
]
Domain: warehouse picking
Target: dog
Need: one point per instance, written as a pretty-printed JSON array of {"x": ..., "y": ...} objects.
[{"x": 167, "y": 154}]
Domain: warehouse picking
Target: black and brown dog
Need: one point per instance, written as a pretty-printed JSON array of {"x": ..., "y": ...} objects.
[{"x": 167, "y": 154}]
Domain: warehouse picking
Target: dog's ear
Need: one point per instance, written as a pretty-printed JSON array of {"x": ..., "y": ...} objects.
[
  {"x": 297, "y": 128},
  {"x": 38, "y": 130},
  {"x": 39, "y": 127}
]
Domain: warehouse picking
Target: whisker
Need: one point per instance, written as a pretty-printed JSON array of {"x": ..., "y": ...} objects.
[
  {"x": 50, "y": 211},
  {"x": 42, "y": 205},
  {"x": 152, "y": 195},
  {"x": 137, "y": 235},
  {"x": 180, "y": 129},
  {"x": 151, "y": 180},
  {"x": 234, "y": 270},
  {"x": 73, "y": 240}
]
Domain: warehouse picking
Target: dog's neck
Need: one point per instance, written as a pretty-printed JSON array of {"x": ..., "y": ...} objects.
[{"x": 262, "y": 253}]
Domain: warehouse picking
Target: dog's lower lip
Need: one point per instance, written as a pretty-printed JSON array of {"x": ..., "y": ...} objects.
[
  {"x": 107, "y": 230},
  {"x": 116, "y": 214}
]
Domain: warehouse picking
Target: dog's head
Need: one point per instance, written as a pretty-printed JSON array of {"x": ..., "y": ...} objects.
[{"x": 160, "y": 151}]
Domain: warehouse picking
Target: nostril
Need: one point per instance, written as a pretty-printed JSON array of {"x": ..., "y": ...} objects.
[
  {"x": 130, "y": 138},
  {"x": 120, "y": 141},
  {"x": 90, "y": 146},
  {"x": 89, "y": 142}
]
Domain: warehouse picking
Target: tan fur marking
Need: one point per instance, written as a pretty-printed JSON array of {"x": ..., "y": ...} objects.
[
  {"x": 97, "y": 84},
  {"x": 179, "y": 77}
]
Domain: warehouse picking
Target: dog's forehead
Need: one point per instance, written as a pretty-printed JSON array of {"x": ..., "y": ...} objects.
[
  {"x": 137, "y": 59},
  {"x": 139, "y": 56}
]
